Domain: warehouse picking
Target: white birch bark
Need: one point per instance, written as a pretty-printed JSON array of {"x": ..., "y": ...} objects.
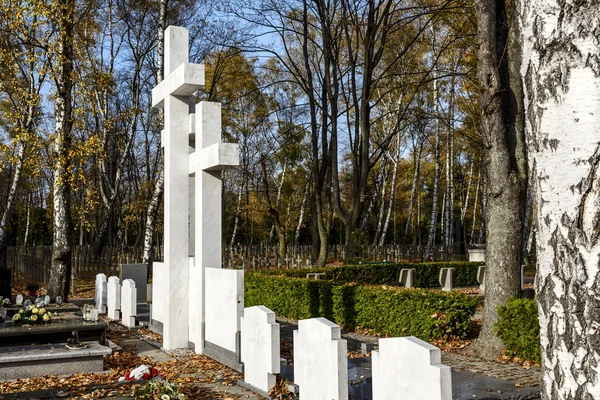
[
  {"x": 302, "y": 211},
  {"x": 562, "y": 80},
  {"x": 390, "y": 204},
  {"x": 436, "y": 179},
  {"x": 413, "y": 191},
  {"x": 381, "y": 210},
  {"x": 237, "y": 216}
]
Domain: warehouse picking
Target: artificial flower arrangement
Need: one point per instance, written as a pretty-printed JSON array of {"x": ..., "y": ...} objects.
[{"x": 32, "y": 316}]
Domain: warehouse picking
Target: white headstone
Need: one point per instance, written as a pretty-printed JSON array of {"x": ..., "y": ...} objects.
[
  {"x": 101, "y": 293},
  {"x": 407, "y": 277},
  {"x": 260, "y": 347},
  {"x": 128, "y": 303},
  {"x": 446, "y": 279},
  {"x": 224, "y": 306},
  {"x": 173, "y": 94},
  {"x": 320, "y": 360},
  {"x": 113, "y": 302},
  {"x": 409, "y": 368},
  {"x": 481, "y": 279},
  {"x": 160, "y": 286}
]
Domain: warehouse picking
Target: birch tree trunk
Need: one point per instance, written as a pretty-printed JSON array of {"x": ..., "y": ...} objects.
[
  {"x": 562, "y": 80},
  {"x": 302, "y": 211},
  {"x": 413, "y": 191},
  {"x": 506, "y": 163},
  {"x": 381, "y": 210},
  {"x": 390, "y": 204},
  {"x": 10, "y": 201},
  {"x": 153, "y": 205},
  {"x": 60, "y": 273},
  {"x": 436, "y": 179}
]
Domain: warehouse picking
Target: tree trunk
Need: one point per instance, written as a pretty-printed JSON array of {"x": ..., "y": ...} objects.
[
  {"x": 153, "y": 205},
  {"x": 413, "y": 191},
  {"x": 60, "y": 274},
  {"x": 436, "y": 182},
  {"x": 381, "y": 211},
  {"x": 503, "y": 134},
  {"x": 302, "y": 210},
  {"x": 390, "y": 205},
  {"x": 10, "y": 201},
  {"x": 562, "y": 80},
  {"x": 274, "y": 212}
]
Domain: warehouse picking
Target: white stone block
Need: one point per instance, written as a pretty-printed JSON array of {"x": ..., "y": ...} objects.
[
  {"x": 224, "y": 306},
  {"x": 476, "y": 255},
  {"x": 320, "y": 360},
  {"x": 196, "y": 306},
  {"x": 260, "y": 347},
  {"x": 113, "y": 302},
  {"x": 446, "y": 279},
  {"x": 101, "y": 293},
  {"x": 128, "y": 303},
  {"x": 215, "y": 157},
  {"x": 409, "y": 368},
  {"x": 160, "y": 285},
  {"x": 184, "y": 81}
]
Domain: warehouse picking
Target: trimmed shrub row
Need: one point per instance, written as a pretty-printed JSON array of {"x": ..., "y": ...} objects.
[
  {"x": 518, "y": 327},
  {"x": 426, "y": 274},
  {"x": 383, "y": 310}
]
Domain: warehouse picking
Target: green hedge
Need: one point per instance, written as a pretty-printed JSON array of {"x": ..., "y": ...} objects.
[
  {"x": 519, "y": 328},
  {"x": 426, "y": 274},
  {"x": 383, "y": 310}
]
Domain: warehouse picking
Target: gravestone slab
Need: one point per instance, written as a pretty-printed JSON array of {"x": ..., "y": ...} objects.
[
  {"x": 260, "y": 347},
  {"x": 128, "y": 303},
  {"x": 113, "y": 302},
  {"x": 5, "y": 282},
  {"x": 407, "y": 277},
  {"x": 160, "y": 287},
  {"x": 101, "y": 293},
  {"x": 320, "y": 360},
  {"x": 139, "y": 274},
  {"x": 409, "y": 368},
  {"x": 446, "y": 279},
  {"x": 481, "y": 279},
  {"x": 224, "y": 307},
  {"x": 476, "y": 255}
]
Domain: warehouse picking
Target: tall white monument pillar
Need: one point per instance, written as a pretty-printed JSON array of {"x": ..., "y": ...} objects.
[
  {"x": 182, "y": 79},
  {"x": 207, "y": 163}
]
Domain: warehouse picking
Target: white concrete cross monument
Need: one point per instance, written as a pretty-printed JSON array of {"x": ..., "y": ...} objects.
[
  {"x": 215, "y": 306},
  {"x": 182, "y": 79},
  {"x": 409, "y": 368},
  {"x": 113, "y": 301}
]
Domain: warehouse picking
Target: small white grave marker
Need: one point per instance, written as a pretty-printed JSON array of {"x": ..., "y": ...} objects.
[
  {"x": 446, "y": 279},
  {"x": 481, "y": 279},
  {"x": 128, "y": 303},
  {"x": 409, "y": 368},
  {"x": 320, "y": 360},
  {"x": 260, "y": 347},
  {"x": 407, "y": 277},
  {"x": 101, "y": 293},
  {"x": 114, "y": 298}
]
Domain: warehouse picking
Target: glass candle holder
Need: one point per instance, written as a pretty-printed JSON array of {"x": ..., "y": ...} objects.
[{"x": 19, "y": 300}]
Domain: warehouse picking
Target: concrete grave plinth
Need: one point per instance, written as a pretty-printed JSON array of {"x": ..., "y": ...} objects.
[
  {"x": 128, "y": 303},
  {"x": 409, "y": 368},
  {"x": 476, "y": 255},
  {"x": 446, "y": 279},
  {"x": 101, "y": 293},
  {"x": 113, "y": 302},
  {"x": 481, "y": 279},
  {"x": 28, "y": 361},
  {"x": 407, "y": 277},
  {"x": 320, "y": 360},
  {"x": 139, "y": 274},
  {"x": 260, "y": 347}
]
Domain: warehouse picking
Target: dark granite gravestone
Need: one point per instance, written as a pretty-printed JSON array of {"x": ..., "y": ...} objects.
[
  {"x": 139, "y": 274},
  {"x": 5, "y": 282}
]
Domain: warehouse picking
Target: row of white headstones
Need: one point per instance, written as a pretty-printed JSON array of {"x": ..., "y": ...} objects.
[
  {"x": 403, "y": 368},
  {"x": 202, "y": 305}
]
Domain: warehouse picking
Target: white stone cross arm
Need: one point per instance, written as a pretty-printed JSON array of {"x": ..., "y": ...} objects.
[
  {"x": 183, "y": 78},
  {"x": 211, "y": 154}
]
